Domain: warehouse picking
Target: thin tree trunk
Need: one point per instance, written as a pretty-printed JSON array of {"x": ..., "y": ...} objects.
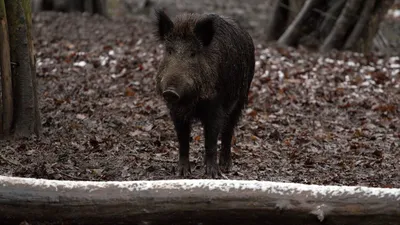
[
  {"x": 380, "y": 43},
  {"x": 294, "y": 7},
  {"x": 36, "y": 5},
  {"x": 360, "y": 25},
  {"x": 331, "y": 17},
  {"x": 351, "y": 24},
  {"x": 292, "y": 33},
  {"x": 380, "y": 10},
  {"x": 28, "y": 15},
  {"x": 25, "y": 117},
  {"x": 101, "y": 7},
  {"x": 277, "y": 20},
  {"x": 89, "y": 6},
  {"x": 342, "y": 25},
  {"x": 5, "y": 68}
]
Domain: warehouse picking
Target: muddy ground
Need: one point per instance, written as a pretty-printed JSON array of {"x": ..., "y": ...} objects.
[{"x": 312, "y": 119}]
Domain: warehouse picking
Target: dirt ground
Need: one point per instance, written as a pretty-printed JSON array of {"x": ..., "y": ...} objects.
[{"x": 312, "y": 119}]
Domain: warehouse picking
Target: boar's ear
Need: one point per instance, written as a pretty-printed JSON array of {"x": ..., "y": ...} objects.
[
  {"x": 163, "y": 23},
  {"x": 204, "y": 30}
]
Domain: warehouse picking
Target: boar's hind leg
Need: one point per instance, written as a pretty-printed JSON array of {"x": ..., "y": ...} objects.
[
  {"x": 182, "y": 128},
  {"x": 212, "y": 127},
  {"x": 225, "y": 161}
]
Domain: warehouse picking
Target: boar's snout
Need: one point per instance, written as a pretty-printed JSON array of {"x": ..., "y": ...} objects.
[
  {"x": 176, "y": 88},
  {"x": 170, "y": 95}
]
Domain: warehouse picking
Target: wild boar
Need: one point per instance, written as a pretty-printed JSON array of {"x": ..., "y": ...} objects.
[{"x": 205, "y": 74}]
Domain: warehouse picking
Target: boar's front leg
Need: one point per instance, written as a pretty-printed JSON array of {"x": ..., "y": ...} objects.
[
  {"x": 225, "y": 160},
  {"x": 182, "y": 128},
  {"x": 212, "y": 127}
]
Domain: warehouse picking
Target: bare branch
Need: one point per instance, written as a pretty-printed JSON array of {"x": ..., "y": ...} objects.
[
  {"x": 292, "y": 32},
  {"x": 331, "y": 17},
  {"x": 361, "y": 23},
  {"x": 342, "y": 25}
]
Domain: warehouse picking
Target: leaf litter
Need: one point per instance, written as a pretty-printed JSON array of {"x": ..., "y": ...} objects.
[{"x": 312, "y": 118}]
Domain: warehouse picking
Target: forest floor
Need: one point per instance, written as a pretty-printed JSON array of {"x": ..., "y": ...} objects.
[{"x": 313, "y": 119}]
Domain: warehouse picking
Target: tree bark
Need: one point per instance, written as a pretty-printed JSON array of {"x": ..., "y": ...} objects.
[
  {"x": 360, "y": 25},
  {"x": 26, "y": 117},
  {"x": 90, "y": 6},
  {"x": 380, "y": 42},
  {"x": 342, "y": 25},
  {"x": 6, "y": 78},
  {"x": 277, "y": 20},
  {"x": 331, "y": 17},
  {"x": 28, "y": 15},
  {"x": 294, "y": 6},
  {"x": 100, "y": 7},
  {"x": 326, "y": 25},
  {"x": 380, "y": 10},
  {"x": 292, "y": 32},
  {"x": 195, "y": 201}
]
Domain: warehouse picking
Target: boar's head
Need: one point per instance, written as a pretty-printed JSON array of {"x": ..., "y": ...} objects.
[{"x": 188, "y": 70}]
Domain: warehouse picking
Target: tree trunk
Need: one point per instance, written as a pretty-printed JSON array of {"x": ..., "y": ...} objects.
[
  {"x": 89, "y": 6},
  {"x": 326, "y": 25},
  {"x": 277, "y": 20},
  {"x": 6, "y": 78},
  {"x": 74, "y": 5},
  {"x": 294, "y": 7},
  {"x": 194, "y": 202},
  {"x": 361, "y": 24},
  {"x": 342, "y": 26},
  {"x": 26, "y": 112},
  {"x": 28, "y": 15},
  {"x": 331, "y": 16},
  {"x": 100, "y": 7},
  {"x": 292, "y": 32},
  {"x": 379, "y": 12},
  {"x": 96, "y": 7}
]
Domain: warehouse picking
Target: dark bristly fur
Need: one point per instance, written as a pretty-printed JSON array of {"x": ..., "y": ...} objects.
[{"x": 205, "y": 74}]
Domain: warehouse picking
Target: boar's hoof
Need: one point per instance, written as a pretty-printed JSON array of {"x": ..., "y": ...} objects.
[
  {"x": 171, "y": 96},
  {"x": 183, "y": 168},
  {"x": 225, "y": 164},
  {"x": 212, "y": 170}
]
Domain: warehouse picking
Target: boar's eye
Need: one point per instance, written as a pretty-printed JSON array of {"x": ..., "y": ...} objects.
[{"x": 192, "y": 54}]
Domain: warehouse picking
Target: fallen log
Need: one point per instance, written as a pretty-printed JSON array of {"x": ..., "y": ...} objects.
[{"x": 40, "y": 201}]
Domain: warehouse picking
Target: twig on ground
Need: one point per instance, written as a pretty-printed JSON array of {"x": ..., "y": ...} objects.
[{"x": 10, "y": 161}]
